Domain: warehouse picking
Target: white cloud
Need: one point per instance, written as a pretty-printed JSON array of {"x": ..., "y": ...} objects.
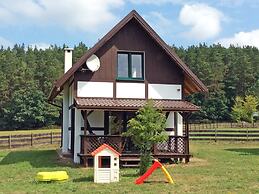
[
  {"x": 242, "y": 39},
  {"x": 5, "y": 43},
  {"x": 204, "y": 21},
  {"x": 87, "y": 15}
]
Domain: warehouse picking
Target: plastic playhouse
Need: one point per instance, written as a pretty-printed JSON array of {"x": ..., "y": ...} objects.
[
  {"x": 106, "y": 164},
  {"x": 155, "y": 165}
]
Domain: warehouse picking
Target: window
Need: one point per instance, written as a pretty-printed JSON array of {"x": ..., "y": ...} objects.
[
  {"x": 130, "y": 65},
  {"x": 104, "y": 162}
]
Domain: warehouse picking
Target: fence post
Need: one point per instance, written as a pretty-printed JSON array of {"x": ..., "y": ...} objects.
[
  {"x": 215, "y": 135},
  {"x": 51, "y": 137},
  {"x": 247, "y": 134},
  {"x": 31, "y": 139},
  {"x": 10, "y": 141}
]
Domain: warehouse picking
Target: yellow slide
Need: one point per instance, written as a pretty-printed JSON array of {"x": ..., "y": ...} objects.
[
  {"x": 168, "y": 176},
  {"x": 52, "y": 176}
]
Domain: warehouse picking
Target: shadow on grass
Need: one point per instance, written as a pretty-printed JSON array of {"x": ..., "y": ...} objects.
[
  {"x": 84, "y": 179},
  {"x": 157, "y": 181},
  {"x": 37, "y": 158},
  {"x": 245, "y": 151}
]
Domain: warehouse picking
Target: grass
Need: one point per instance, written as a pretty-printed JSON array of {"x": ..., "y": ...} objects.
[
  {"x": 222, "y": 167},
  {"x": 28, "y": 131}
]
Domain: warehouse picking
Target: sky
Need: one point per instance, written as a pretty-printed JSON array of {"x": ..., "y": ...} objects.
[{"x": 184, "y": 23}]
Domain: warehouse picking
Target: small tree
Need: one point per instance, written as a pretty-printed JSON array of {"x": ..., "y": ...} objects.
[
  {"x": 146, "y": 129},
  {"x": 244, "y": 109},
  {"x": 238, "y": 109}
]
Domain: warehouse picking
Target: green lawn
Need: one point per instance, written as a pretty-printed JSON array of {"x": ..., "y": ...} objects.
[
  {"x": 28, "y": 131},
  {"x": 220, "y": 167}
]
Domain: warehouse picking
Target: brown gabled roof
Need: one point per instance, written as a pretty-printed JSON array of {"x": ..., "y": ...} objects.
[
  {"x": 133, "y": 104},
  {"x": 197, "y": 87}
]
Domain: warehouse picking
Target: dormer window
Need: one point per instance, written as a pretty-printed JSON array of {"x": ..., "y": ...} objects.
[{"x": 130, "y": 65}]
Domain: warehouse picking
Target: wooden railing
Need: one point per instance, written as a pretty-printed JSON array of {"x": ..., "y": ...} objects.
[
  {"x": 91, "y": 142},
  {"x": 174, "y": 144}
]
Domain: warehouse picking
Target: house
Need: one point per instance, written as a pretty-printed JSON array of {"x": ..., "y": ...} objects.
[{"x": 112, "y": 80}]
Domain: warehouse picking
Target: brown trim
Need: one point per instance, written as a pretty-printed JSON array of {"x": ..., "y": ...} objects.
[
  {"x": 169, "y": 129},
  {"x": 75, "y": 88},
  {"x": 114, "y": 89},
  {"x": 71, "y": 82},
  {"x": 85, "y": 121},
  {"x": 93, "y": 128},
  {"x": 176, "y": 123},
  {"x": 71, "y": 106},
  {"x": 131, "y": 109},
  {"x": 59, "y": 106},
  {"x": 106, "y": 122},
  {"x": 146, "y": 89},
  {"x": 132, "y": 15}
]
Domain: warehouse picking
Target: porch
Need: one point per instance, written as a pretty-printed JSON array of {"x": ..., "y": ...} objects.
[
  {"x": 98, "y": 121},
  {"x": 175, "y": 147}
]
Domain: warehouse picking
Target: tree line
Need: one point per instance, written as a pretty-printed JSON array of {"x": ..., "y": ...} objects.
[{"x": 27, "y": 75}]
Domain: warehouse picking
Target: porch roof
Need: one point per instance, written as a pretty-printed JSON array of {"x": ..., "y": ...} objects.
[{"x": 133, "y": 104}]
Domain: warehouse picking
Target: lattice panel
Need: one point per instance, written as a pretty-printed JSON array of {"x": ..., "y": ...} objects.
[
  {"x": 172, "y": 145},
  {"x": 94, "y": 142}
]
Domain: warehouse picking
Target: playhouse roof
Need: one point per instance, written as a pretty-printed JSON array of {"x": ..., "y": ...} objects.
[{"x": 102, "y": 147}]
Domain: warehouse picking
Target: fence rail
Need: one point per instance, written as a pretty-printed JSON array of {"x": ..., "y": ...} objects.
[
  {"x": 15, "y": 141},
  {"x": 224, "y": 134},
  {"x": 221, "y": 125}
]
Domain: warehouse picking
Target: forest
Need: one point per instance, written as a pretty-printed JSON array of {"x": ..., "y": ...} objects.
[{"x": 27, "y": 74}]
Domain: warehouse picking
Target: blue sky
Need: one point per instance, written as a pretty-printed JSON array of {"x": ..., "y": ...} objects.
[{"x": 179, "y": 22}]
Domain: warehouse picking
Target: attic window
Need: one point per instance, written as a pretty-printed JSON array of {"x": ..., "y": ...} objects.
[{"x": 130, "y": 65}]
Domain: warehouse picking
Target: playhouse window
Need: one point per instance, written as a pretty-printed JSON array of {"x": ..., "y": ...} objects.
[
  {"x": 130, "y": 65},
  {"x": 104, "y": 162}
]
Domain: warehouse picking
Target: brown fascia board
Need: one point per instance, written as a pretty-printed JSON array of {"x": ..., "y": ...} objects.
[{"x": 133, "y": 14}]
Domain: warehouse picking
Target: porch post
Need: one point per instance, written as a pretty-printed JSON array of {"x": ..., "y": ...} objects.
[
  {"x": 187, "y": 135},
  {"x": 176, "y": 131},
  {"x": 65, "y": 123},
  {"x": 85, "y": 121},
  {"x": 77, "y": 141}
]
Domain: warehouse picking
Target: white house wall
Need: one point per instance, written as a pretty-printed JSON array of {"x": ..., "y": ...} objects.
[
  {"x": 165, "y": 91},
  {"x": 95, "y": 89},
  {"x": 170, "y": 122},
  {"x": 179, "y": 124},
  {"x": 96, "y": 119},
  {"x": 65, "y": 124},
  {"x": 130, "y": 90},
  {"x": 78, "y": 120}
]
